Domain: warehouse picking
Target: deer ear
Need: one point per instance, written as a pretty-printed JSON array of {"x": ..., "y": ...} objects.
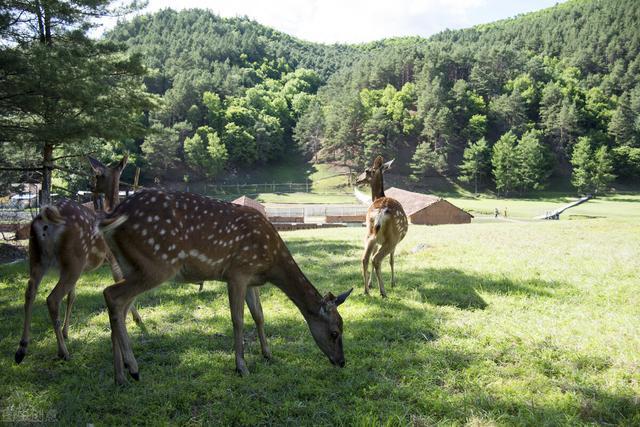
[
  {"x": 377, "y": 163},
  {"x": 387, "y": 166},
  {"x": 328, "y": 298},
  {"x": 123, "y": 162},
  {"x": 97, "y": 166},
  {"x": 343, "y": 297}
]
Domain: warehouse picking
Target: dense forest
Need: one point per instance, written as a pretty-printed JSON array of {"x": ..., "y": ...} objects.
[{"x": 503, "y": 105}]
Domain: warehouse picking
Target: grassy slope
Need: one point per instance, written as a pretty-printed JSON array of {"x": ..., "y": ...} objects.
[{"x": 508, "y": 323}]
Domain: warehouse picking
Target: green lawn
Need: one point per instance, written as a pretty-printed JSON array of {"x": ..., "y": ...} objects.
[
  {"x": 346, "y": 198},
  {"x": 491, "y": 323},
  {"x": 614, "y": 206}
]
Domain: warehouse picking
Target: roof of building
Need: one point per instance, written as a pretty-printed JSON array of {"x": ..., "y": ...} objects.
[
  {"x": 247, "y": 201},
  {"x": 412, "y": 202}
]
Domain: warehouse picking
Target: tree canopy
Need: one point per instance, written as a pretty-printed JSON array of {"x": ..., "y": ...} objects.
[{"x": 245, "y": 94}]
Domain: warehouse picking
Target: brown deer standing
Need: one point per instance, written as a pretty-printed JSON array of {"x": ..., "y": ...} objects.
[
  {"x": 62, "y": 236},
  {"x": 157, "y": 235},
  {"x": 386, "y": 225}
]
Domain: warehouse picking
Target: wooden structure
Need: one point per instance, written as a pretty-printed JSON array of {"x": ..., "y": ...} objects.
[
  {"x": 332, "y": 219},
  {"x": 428, "y": 210},
  {"x": 247, "y": 201}
]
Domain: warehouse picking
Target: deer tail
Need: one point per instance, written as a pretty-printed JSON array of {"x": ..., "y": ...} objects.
[
  {"x": 382, "y": 217},
  {"x": 51, "y": 214},
  {"x": 108, "y": 225}
]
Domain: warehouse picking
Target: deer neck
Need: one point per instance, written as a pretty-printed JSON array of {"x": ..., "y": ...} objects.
[
  {"x": 112, "y": 195},
  {"x": 291, "y": 280},
  {"x": 377, "y": 186}
]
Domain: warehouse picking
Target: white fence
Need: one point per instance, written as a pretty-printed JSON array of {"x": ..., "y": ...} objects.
[{"x": 316, "y": 211}]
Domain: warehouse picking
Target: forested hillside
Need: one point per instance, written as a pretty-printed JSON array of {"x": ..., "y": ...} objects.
[
  {"x": 508, "y": 100},
  {"x": 232, "y": 90},
  {"x": 503, "y": 105}
]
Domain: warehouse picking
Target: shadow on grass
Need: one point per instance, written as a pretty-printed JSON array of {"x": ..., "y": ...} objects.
[
  {"x": 460, "y": 289},
  {"x": 396, "y": 369}
]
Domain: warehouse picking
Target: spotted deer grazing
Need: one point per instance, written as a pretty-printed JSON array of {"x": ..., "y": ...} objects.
[
  {"x": 156, "y": 236},
  {"x": 386, "y": 225},
  {"x": 62, "y": 237}
]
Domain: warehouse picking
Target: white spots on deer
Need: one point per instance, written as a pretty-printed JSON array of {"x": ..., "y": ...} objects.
[{"x": 144, "y": 232}]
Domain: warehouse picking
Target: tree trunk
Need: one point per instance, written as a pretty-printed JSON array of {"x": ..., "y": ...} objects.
[
  {"x": 47, "y": 167},
  {"x": 475, "y": 179}
]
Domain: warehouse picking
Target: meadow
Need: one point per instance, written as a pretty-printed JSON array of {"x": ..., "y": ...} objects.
[{"x": 501, "y": 323}]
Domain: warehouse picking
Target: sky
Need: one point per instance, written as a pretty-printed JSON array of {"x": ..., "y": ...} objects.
[{"x": 356, "y": 21}]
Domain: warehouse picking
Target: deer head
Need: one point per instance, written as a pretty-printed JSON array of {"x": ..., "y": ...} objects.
[
  {"x": 107, "y": 180},
  {"x": 326, "y": 327},
  {"x": 373, "y": 176}
]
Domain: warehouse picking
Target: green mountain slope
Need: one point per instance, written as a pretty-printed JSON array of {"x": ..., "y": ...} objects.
[{"x": 539, "y": 83}]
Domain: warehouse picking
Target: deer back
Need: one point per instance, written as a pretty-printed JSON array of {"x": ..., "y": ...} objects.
[
  {"x": 63, "y": 233},
  {"x": 190, "y": 237}
]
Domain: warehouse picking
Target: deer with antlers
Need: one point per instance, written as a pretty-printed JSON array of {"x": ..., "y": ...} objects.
[
  {"x": 386, "y": 225},
  {"x": 157, "y": 235},
  {"x": 62, "y": 237}
]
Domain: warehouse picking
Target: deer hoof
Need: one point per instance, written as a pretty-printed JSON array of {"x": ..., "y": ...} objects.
[
  {"x": 383, "y": 295},
  {"x": 242, "y": 371},
  {"x": 64, "y": 356},
  {"x": 135, "y": 375},
  {"x": 20, "y": 354}
]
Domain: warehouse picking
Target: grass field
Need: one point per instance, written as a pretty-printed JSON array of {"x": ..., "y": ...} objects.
[{"x": 496, "y": 323}]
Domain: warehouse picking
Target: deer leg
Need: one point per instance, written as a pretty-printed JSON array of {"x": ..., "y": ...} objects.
[
  {"x": 67, "y": 282},
  {"x": 377, "y": 261},
  {"x": 253, "y": 302},
  {"x": 237, "y": 291},
  {"x": 201, "y": 286},
  {"x": 71, "y": 297},
  {"x": 118, "y": 362},
  {"x": 35, "y": 277},
  {"x": 136, "y": 316},
  {"x": 116, "y": 272},
  {"x": 119, "y": 297},
  {"x": 369, "y": 245},
  {"x": 393, "y": 274}
]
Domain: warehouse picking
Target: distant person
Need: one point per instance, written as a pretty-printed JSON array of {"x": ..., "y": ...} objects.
[
  {"x": 505, "y": 212},
  {"x": 496, "y": 212}
]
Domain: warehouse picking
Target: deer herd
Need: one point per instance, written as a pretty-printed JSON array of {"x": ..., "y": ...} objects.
[{"x": 154, "y": 236}]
